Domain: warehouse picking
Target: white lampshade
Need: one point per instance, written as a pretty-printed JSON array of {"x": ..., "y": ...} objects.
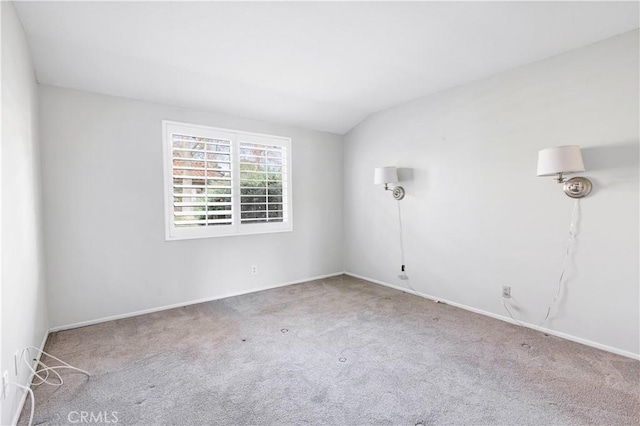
[
  {"x": 560, "y": 159},
  {"x": 385, "y": 175}
]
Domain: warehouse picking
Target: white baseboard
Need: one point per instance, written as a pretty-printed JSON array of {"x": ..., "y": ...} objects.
[
  {"x": 506, "y": 319},
  {"x": 182, "y": 304},
  {"x": 23, "y": 400}
]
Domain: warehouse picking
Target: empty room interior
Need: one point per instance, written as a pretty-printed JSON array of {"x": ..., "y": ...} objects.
[{"x": 331, "y": 213}]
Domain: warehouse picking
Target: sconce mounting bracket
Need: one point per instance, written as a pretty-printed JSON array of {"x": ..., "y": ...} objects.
[
  {"x": 577, "y": 187},
  {"x": 398, "y": 193}
]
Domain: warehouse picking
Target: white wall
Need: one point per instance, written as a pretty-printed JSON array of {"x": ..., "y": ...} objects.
[
  {"x": 24, "y": 308},
  {"x": 104, "y": 225},
  {"x": 476, "y": 217}
]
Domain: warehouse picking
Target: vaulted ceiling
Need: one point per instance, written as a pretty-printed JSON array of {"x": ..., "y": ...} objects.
[{"x": 318, "y": 65}]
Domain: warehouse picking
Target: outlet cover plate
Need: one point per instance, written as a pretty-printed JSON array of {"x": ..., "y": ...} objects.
[{"x": 506, "y": 292}]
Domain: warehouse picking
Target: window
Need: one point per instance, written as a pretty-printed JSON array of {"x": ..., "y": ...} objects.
[{"x": 222, "y": 182}]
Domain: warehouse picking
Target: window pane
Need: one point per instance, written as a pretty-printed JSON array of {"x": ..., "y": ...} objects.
[
  {"x": 261, "y": 182},
  {"x": 201, "y": 167}
]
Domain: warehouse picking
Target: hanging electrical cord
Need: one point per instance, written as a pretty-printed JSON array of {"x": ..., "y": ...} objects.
[
  {"x": 33, "y": 403},
  {"x": 504, "y": 305},
  {"x": 565, "y": 265},
  {"x": 403, "y": 274}
]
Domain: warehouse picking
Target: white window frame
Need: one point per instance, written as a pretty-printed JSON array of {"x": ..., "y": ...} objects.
[{"x": 236, "y": 228}]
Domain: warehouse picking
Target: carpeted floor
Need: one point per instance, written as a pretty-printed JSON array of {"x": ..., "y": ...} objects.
[{"x": 339, "y": 351}]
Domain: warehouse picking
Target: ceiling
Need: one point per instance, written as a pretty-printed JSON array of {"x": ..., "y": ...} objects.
[{"x": 318, "y": 65}]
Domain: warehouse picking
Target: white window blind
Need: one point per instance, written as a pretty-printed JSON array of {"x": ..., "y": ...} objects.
[
  {"x": 222, "y": 182},
  {"x": 201, "y": 181},
  {"x": 263, "y": 183}
]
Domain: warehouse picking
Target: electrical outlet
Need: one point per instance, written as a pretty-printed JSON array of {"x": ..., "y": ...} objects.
[
  {"x": 254, "y": 269},
  {"x": 506, "y": 292},
  {"x": 5, "y": 383}
]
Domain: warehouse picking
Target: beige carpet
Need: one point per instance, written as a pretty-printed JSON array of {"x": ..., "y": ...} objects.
[{"x": 339, "y": 351}]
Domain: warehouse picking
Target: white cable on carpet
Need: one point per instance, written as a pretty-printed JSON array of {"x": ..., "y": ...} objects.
[
  {"x": 565, "y": 265},
  {"x": 26, "y": 357}
]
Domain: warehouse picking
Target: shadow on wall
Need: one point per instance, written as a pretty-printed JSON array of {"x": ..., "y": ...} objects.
[
  {"x": 405, "y": 179},
  {"x": 620, "y": 160},
  {"x": 620, "y": 155}
]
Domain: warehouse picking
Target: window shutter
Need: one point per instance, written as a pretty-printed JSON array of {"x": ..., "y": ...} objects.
[
  {"x": 263, "y": 183},
  {"x": 222, "y": 182},
  {"x": 202, "y": 181}
]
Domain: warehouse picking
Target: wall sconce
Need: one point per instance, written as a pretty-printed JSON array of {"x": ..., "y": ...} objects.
[
  {"x": 387, "y": 175},
  {"x": 561, "y": 160}
]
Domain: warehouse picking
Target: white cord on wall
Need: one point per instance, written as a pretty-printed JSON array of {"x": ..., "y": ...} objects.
[
  {"x": 565, "y": 265},
  {"x": 401, "y": 238},
  {"x": 504, "y": 305},
  {"x": 33, "y": 403},
  {"x": 403, "y": 274}
]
